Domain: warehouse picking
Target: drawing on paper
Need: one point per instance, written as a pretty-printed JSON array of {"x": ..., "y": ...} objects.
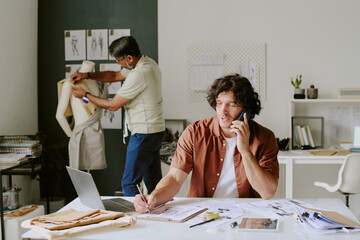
[
  {"x": 96, "y": 44},
  {"x": 75, "y": 45}
]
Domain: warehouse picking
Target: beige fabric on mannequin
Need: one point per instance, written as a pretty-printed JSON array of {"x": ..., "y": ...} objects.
[
  {"x": 69, "y": 105},
  {"x": 87, "y": 145}
]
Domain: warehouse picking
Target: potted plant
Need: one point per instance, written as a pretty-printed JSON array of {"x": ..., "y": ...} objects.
[
  {"x": 299, "y": 93},
  {"x": 312, "y": 92}
]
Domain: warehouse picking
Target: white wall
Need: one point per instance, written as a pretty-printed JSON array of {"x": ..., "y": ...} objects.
[
  {"x": 18, "y": 79},
  {"x": 319, "y": 39},
  {"x": 18, "y": 67}
]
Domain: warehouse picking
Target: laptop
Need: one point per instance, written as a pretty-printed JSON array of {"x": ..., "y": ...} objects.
[{"x": 89, "y": 195}]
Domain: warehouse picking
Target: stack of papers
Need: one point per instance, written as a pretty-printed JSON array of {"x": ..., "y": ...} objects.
[
  {"x": 20, "y": 145},
  {"x": 320, "y": 220},
  {"x": 324, "y": 221},
  {"x": 12, "y": 157}
]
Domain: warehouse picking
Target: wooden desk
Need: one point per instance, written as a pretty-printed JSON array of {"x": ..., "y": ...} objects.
[
  {"x": 148, "y": 229},
  {"x": 290, "y": 158}
]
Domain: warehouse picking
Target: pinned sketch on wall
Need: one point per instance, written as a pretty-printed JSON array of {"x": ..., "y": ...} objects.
[
  {"x": 115, "y": 86},
  {"x": 111, "y": 119},
  {"x": 75, "y": 45},
  {"x": 248, "y": 70},
  {"x": 247, "y": 58},
  {"x": 70, "y": 69},
  {"x": 97, "y": 44},
  {"x": 205, "y": 70},
  {"x": 115, "y": 34}
]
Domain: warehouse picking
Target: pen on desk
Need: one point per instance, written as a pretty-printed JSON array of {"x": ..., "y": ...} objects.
[
  {"x": 142, "y": 196},
  {"x": 202, "y": 222}
]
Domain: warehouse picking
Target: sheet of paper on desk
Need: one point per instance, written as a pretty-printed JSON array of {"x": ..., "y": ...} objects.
[
  {"x": 228, "y": 212},
  {"x": 175, "y": 213},
  {"x": 278, "y": 208}
]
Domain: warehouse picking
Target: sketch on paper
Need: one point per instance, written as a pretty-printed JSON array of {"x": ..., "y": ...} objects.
[
  {"x": 75, "y": 45},
  {"x": 114, "y": 87},
  {"x": 71, "y": 68},
  {"x": 115, "y": 34},
  {"x": 97, "y": 44},
  {"x": 111, "y": 119},
  {"x": 248, "y": 70}
]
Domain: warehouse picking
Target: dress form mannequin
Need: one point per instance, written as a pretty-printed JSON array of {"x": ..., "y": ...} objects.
[
  {"x": 86, "y": 145},
  {"x": 69, "y": 105}
]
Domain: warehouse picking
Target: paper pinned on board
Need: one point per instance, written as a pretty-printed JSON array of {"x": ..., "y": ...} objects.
[{"x": 205, "y": 70}]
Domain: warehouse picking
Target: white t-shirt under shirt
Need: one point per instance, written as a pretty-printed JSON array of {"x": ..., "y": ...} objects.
[{"x": 226, "y": 187}]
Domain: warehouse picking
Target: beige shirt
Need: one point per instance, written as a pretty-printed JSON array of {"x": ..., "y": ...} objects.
[{"x": 144, "y": 112}]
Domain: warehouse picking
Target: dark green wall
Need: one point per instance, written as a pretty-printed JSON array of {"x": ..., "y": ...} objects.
[{"x": 140, "y": 16}]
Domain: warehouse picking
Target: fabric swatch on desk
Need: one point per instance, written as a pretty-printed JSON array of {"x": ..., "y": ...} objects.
[
  {"x": 73, "y": 218},
  {"x": 72, "y": 228},
  {"x": 20, "y": 212}
]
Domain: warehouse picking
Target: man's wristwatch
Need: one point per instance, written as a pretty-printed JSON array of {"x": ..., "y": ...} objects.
[
  {"x": 88, "y": 75},
  {"x": 85, "y": 99}
]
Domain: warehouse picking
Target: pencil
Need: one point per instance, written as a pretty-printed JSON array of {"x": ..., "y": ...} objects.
[
  {"x": 142, "y": 196},
  {"x": 202, "y": 222}
]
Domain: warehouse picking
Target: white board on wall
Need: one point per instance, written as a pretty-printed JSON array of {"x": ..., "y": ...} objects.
[{"x": 235, "y": 55}]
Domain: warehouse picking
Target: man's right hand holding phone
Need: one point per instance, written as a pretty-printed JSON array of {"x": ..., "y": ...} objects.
[{"x": 242, "y": 130}]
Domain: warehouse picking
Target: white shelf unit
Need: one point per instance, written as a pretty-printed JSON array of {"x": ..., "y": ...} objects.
[{"x": 319, "y": 108}]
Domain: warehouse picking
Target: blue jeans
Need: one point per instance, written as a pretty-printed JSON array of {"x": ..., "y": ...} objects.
[{"x": 142, "y": 162}]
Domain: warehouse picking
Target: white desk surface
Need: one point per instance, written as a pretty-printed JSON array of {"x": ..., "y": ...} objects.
[{"x": 147, "y": 229}]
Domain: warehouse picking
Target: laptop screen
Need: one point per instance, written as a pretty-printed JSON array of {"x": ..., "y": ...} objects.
[{"x": 85, "y": 188}]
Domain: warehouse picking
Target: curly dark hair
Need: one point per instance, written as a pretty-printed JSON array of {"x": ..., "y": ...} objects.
[{"x": 244, "y": 93}]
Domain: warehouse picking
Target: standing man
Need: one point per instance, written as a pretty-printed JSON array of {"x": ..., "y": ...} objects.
[
  {"x": 142, "y": 100},
  {"x": 228, "y": 157}
]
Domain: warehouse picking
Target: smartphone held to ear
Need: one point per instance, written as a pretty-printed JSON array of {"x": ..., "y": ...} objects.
[{"x": 248, "y": 116}]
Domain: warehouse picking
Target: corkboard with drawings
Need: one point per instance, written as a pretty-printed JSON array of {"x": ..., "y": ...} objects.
[{"x": 234, "y": 54}]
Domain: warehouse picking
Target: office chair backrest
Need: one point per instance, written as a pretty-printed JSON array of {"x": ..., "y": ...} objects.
[{"x": 350, "y": 172}]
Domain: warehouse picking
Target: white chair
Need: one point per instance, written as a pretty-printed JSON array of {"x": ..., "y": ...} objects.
[{"x": 348, "y": 178}]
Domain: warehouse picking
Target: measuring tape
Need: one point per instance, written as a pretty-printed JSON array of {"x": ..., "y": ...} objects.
[{"x": 211, "y": 215}]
